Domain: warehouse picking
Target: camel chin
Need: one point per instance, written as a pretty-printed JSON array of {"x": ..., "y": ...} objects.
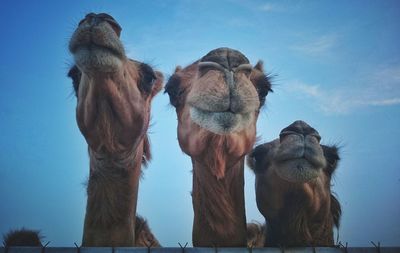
[
  {"x": 297, "y": 171},
  {"x": 221, "y": 122}
]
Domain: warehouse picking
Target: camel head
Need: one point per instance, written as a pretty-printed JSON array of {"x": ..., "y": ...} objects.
[
  {"x": 113, "y": 92},
  {"x": 293, "y": 180},
  {"x": 219, "y": 98}
]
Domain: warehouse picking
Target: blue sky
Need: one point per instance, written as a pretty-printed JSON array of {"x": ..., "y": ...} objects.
[{"x": 337, "y": 65}]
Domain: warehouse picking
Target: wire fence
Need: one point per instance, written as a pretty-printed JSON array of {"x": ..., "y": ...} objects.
[{"x": 340, "y": 248}]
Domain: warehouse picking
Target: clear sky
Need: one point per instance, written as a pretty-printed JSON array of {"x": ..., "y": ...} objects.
[{"x": 337, "y": 65}]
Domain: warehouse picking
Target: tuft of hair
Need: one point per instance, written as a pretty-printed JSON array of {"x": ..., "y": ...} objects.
[
  {"x": 336, "y": 211},
  {"x": 250, "y": 161},
  {"x": 256, "y": 235},
  {"x": 22, "y": 237},
  {"x": 146, "y": 151},
  {"x": 143, "y": 235}
]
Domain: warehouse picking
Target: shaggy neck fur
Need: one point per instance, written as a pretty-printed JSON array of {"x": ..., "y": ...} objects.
[
  {"x": 296, "y": 225},
  {"x": 112, "y": 195},
  {"x": 219, "y": 213}
]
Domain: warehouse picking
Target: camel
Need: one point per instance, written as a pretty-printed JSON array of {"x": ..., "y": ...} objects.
[
  {"x": 217, "y": 101},
  {"x": 22, "y": 237},
  {"x": 114, "y": 97},
  {"x": 293, "y": 179}
]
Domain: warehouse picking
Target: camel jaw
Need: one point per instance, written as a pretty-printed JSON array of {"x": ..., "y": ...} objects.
[{"x": 225, "y": 122}]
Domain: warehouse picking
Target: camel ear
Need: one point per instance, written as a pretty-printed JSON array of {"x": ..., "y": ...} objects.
[
  {"x": 177, "y": 69},
  {"x": 75, "y": 74},
  {"x": 260, "y": 66},
  {"x": 256, "y": 159},
  {"x": 261, "y": 81},
  {"x": 173, "y": 88},
  {"x": 157, "y": 87},
  {"x": 331, "y": 154},
  {"x": 150, "y": 81}
]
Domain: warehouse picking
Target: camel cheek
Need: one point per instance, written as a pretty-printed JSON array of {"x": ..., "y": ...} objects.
[{"x": 189, "y": 134}]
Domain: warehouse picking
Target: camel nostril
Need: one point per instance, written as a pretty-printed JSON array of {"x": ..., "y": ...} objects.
[
  {"x": 95, "y": 21},
  {"x": 316, "y": 136},
  {"x": 285, "y": 133}
]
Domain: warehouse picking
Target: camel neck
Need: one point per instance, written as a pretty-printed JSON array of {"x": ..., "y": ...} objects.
[
  {"x": 112, "y": 196},
  {"x": 297, "y": 226},
  {"x": 219, "y": 211}
]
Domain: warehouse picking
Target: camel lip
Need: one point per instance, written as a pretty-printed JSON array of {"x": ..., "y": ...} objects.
[
  {"x": 218, "y": 122},
  {"x": 298, "y": 172},
  {"x": 87, "y": 39},
  {"x": 314, "y": 162},
  {"x": 226, "y": 112},
  {"x": 93, "y": 46}
]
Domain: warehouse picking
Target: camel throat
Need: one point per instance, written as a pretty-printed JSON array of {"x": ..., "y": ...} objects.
[{"x": 219, "y": 212}]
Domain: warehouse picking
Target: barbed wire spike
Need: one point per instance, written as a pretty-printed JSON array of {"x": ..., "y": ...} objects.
[
  {"x": 344, "y": 247},
  {"x": 215, "y": 248},
  {"x": 183, "y": 247},
  {"x": 282, "y": 248},
  {"x": 251, "y": 248},
  {"x": 44, "y": 247},
  {"x": 149, "y": 246},
  {"x": 377, "y": 247},
  {"x": 78, "y": 249}
]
